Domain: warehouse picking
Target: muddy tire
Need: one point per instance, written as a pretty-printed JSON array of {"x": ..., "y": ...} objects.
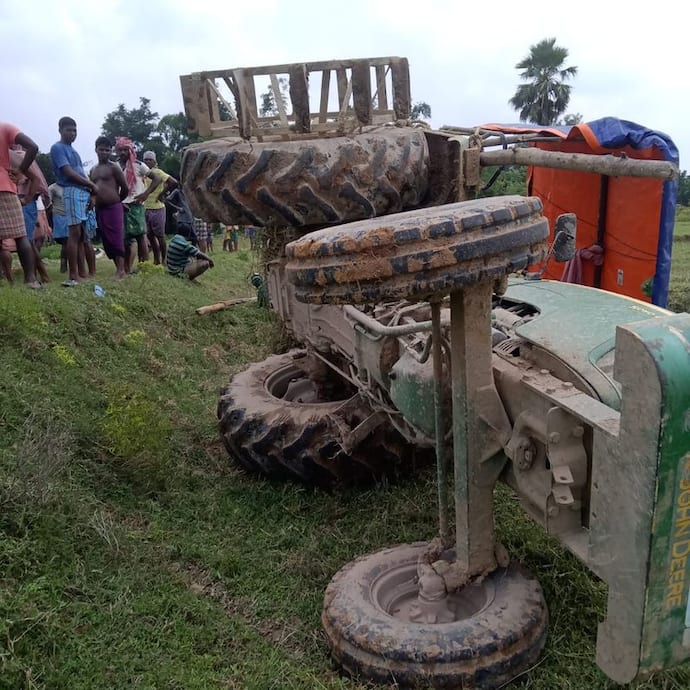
[
  {"x": 501, "y": 631},
  {"x": 311, "y": 182},
  {"x": 417, "y": 253},
  {"x": 268, "y": 431}
]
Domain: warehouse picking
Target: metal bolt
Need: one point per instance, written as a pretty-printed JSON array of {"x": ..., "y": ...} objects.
[
  {"x": 544, "y": 371},
  {"x": 567, "y": 384},
  {"x": 578, "y": 431},
  {"x": 554, "y": 437},
  {"x": 550, "y": 389}
]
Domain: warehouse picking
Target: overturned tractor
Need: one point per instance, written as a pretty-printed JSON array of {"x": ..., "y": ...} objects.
[{"x": 426, "y": 328}]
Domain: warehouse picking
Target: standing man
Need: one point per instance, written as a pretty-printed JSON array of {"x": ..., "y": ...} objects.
[
  {"x": 155, "y": 209},
  {"x": 76, "y": 192},
  {"x": 135, "y": 215},
  {"x": 60, "y": 227},
  {"x": 111, "y": 189},
  {"x": 202, "y": 230},
  {"x": 29, "y": 191},
  {"x": 12, "y": 225}
]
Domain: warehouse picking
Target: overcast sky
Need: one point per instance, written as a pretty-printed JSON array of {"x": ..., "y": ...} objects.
[{"x": 84, "y": 58}]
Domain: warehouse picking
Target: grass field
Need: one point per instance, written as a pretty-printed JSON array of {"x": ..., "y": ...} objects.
[
  {"x": 679, "y": 289},
  {"x": 132, "y": 553}
]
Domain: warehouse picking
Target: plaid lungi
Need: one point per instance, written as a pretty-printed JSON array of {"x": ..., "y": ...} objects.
[
  {"x": 11, "y": 217},
  {"x": 76, "y": 204}
]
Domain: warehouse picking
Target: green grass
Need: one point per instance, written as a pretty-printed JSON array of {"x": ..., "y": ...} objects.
[
  {"x": 682, "y": 226},
  {"x": 132, "y": 553},
  {"x": 679, "y": 289}
]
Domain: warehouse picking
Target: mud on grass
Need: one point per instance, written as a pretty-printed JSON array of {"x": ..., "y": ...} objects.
[{"x": 203, "y": 577}]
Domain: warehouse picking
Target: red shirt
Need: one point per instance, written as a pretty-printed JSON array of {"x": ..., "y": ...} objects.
[{"x": 8, "y": 133}]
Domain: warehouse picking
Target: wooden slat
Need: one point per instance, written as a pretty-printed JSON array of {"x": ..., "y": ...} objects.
[
  {"x": 361, "y": 91},
  {"x": 381, "y": 91},
  {"x": 229, "y": 84},
  {"x": 343, "y": 89},
  {"x": 299, "y": 95},
  {"x": 243, "y": 104},
  {"x": 278, "y": 100},
  {"x": 345, "y": 101},
  {"x": 325, "y": 89},
  {"x": 333, "y": 114},
  {"x": 197, "y": 118},
  {"x": 212, "y": 101},
  {"x": 402, "y": 100},
  {"x": 220, "y": 96}
]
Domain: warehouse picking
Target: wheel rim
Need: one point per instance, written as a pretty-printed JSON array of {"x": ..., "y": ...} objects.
[
  {"x": 293, "y": 385},
  {"x": 395, "y": 592}
]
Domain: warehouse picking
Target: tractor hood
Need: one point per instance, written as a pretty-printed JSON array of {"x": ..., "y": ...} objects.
[{"x": 577, "y": 324}]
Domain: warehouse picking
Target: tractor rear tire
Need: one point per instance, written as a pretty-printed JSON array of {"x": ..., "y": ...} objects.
[
  {"x": 268, "y": 431},
  {"x": 418, "y": 253},
  {"x": 500, "y": 632},
  {"x": 307, "y": 183}
]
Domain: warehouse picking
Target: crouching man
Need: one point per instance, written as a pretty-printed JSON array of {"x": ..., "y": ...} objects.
[{"x": 184, "y": 259}]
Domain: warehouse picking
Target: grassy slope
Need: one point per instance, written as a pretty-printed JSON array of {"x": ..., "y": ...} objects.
[
  {"x": 679, "y": 292},
  {"x": 133, "y": 555}
]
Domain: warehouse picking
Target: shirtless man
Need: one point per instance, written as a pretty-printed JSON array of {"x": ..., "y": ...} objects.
[{"x": 111, "y": 190}]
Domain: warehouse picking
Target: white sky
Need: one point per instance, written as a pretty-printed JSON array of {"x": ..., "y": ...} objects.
[{"x": 84, "y": 58}]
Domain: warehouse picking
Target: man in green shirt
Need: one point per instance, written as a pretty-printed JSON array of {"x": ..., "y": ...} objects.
[{"x": 155, "y": 209}]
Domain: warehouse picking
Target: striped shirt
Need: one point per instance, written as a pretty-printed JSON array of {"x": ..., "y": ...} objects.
[{"x": 180, "y": 251}]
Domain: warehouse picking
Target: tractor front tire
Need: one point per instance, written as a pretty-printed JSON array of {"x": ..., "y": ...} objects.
[
  {"x": 418, "y": 253},
  {"x": 499, "y": 629}
]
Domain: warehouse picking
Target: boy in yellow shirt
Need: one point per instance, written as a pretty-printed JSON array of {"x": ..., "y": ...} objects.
[{"x": 154, "y": 209}]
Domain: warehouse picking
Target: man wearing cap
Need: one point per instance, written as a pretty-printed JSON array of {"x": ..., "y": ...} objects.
[
  {"x": 135, "y": 216},
  {"x": 155, "y": 209}
]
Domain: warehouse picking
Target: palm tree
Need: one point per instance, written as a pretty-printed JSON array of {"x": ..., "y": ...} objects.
[{"x": 546, "y": 96}]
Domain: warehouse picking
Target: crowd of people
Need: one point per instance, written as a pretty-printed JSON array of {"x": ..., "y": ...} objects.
[{"x": 124, "y": 200}]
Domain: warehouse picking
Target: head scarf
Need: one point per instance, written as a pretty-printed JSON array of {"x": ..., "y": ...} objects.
[
  {"x": 149, "y": 155},
  {"x": 130, "y": 175}
]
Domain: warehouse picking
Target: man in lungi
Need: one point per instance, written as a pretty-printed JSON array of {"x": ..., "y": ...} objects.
[
  {"x": 12, "y": 227},
  {"x": 77, "y": 189},
  {"x": 135, "y": 216},
  {"x": 111, "y": 189}
]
